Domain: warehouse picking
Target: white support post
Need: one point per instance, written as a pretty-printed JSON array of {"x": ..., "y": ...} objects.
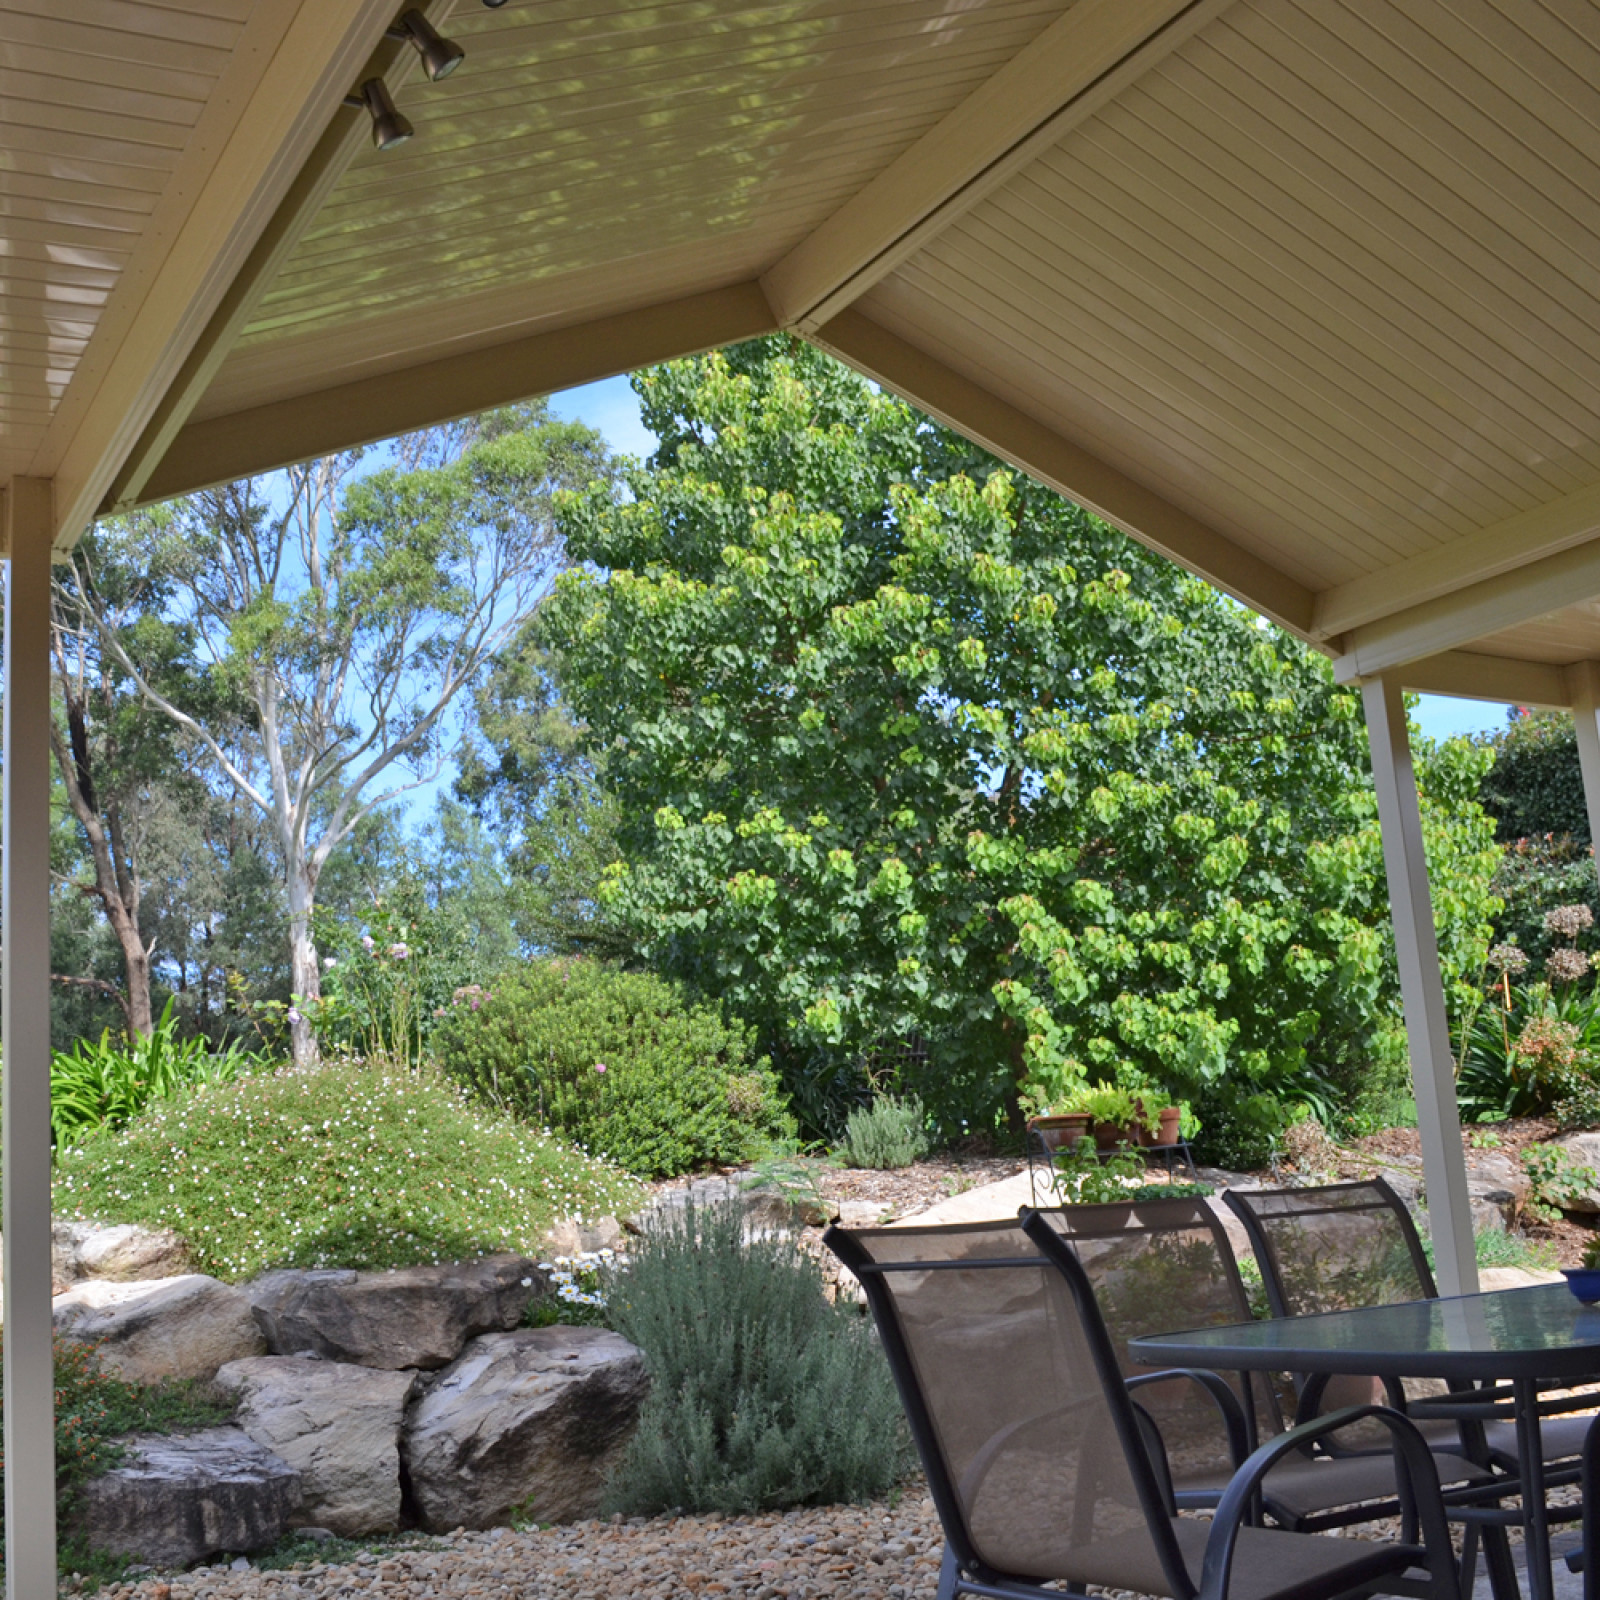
[
  {"x": 25, "y": 889},
  {"x": 1583, "y": 687},
  {"x": 1416, "y": 946}
]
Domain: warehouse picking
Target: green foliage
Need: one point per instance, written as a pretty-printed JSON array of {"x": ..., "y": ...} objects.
[
  {"x": 1534, "y": 875},
  {"x": 1555, "y": 1180},
  {"x": 1241, "y": 1134},
  {"x": 886, "y": 1134},
  {"x": 107, "y": 1083},
  {"x": 1084, "y": 1176},
  {"x": 619, "y": 1062},
  {"x": 906, "y": 748},
  {"x": 1499, "y": 1247},
  {"x": 1535, "y": 787},
  {"x": 93, "y": 1407},
  {"x": 343, "y": 1166},
  {"x": 763, "y": 1395}
]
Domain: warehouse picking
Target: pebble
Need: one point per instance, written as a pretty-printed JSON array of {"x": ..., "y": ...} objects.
[{"x": 862, "y": 1552}]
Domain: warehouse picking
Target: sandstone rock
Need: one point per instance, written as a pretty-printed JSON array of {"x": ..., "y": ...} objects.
[
  {"x": 532, "y": 1420},
  {"x": 764, "y": 1207},
  {"x": 176, "y": 1500},
  {"x": 413, "y": 1317},
  {"x": 1514, "y": 1277},
  {"x": 120, "y": 1250},
  {"x": 338, "y": 1426},
  {"x": 1584, "y": 1149},
  {"x": 574, "y": 1238},
  {"x": 184, "y": 1327}
]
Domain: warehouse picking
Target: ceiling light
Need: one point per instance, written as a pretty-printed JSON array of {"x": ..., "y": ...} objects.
[
  {"x": 494, "y": 5},
  {"x": 440, "y": 56},
  {"x": 389, "y": 128}
]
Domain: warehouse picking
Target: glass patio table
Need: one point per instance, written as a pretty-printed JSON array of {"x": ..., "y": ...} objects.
[{"x": 1511, "y": 1336}]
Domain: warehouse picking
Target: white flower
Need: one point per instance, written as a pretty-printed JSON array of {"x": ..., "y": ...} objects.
[{"x": 329, "y": 963}]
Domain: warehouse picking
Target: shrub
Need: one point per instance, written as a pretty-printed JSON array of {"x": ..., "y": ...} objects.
[
  {"x": 762, "y": 1394},
  {"x": 618, "y": 1061},
  {"x": 1555, "y": 1181},
  {"x": 345, "y": 1166},
  {"x": 106, "y": 1084},
  {"x": 887, "y": 1134}
]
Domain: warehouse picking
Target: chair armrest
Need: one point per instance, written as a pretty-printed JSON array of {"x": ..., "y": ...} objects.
[
  {"x": 1418, "y": 1473},
  {"x": 1220, "y": 1392}
]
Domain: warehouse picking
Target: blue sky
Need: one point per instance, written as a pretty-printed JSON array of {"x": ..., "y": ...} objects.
[{"x": 611, "y": 408}]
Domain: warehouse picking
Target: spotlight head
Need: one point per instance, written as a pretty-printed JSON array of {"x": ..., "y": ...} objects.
[
  {"x": 494, "y": 5},
  {"x": 389, "y": 128},
  {"x": 440, "y": 56}
]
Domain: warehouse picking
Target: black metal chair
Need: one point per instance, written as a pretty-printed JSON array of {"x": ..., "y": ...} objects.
[
  {"x": 1155, "y": 1263},
  {"x": 1038, "y": 1462},
  {"x": 1335, "y": 1247}
]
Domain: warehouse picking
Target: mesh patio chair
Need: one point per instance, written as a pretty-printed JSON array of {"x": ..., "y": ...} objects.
[
  {"x": 1156, "y": 1262},
  {"x": 1335, "y": 1247},
  {"x": 1036, "y": 1458}
]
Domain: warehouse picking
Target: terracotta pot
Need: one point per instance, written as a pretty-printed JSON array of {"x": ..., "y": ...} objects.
[
  {"x": 1060, "y": 1132},
  {"x": 1109, "y": 1135},
  {"x": 1167, "y": 1133}
]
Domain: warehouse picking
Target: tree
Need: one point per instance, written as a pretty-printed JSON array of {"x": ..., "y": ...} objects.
[
  {"x": 908, "y": 749},
  {"x": 1535, "y": 787},
  {"x": 533, "y": 777},
  {"x": 121, "y": 772},
  {"x": 346, "y": 610}
]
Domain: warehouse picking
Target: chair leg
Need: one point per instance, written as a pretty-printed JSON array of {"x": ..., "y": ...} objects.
[
  {"x": 949, "y": 1575},
  {"x": 1469, "y": 1559}
]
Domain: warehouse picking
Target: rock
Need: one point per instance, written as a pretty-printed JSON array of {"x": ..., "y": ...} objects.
[
  {"x": 412, "y": 1317},
  {"x": 575, "y": 1238},
  {"x": 122, "y": 1251},
  {"x": 764, "y": 1206},
  {"x": 1584, "y": 1149},
  {"x": 338, "y": 1426},
  {"x": 176, "y": 1500},
  {"x": 184, "y": 1327},
  {"x": 532, "y": 1421},
  {"x": 1497, "y": 1188}
]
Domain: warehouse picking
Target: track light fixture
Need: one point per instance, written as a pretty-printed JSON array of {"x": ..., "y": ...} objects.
[
  {"x": 440, "y": 56},
  {"x": 389, "y": 128}
]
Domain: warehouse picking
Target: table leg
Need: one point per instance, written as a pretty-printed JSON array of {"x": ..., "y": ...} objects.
[{"x": 1535, "y": 1518}]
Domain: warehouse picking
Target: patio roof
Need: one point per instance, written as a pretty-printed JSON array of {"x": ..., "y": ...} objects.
[{"x": 1301, "y": 295}]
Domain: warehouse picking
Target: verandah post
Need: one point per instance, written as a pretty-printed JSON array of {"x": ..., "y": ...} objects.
[
  {"x": 30, "y": 1501},
  {"x": 1416, "y": 945},
  {"x": 1583, "y": 684}
]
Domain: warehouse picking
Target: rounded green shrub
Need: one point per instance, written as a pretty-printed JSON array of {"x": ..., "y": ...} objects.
[
  {"x": 344, "y": 1166},
  {"x": 620, "y": 1062}
]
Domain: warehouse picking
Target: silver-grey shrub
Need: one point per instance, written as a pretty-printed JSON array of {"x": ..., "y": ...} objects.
[
  {"x": 888, "y": 1133},
  {"x": 763, "y": 1395}
]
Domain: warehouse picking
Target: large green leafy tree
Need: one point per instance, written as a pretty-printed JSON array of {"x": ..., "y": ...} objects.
[{"x": 908, "y": 749}]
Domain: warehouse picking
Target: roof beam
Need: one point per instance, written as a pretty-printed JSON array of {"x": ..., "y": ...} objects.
[
  {"x": 1488, "y": 553},
  {"x": 243, "y": 443},
  {"x": 393, "y": 61},
  {"x": 294, "y": 61},
  {"x": 1471, "y": 675},
  {"x": 1054, "y": 459},
  {"x": 1532, "y": 590},
  {"x": 1077, "y": 64}
]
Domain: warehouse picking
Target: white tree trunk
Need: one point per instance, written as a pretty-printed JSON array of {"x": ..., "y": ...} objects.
[{"x": 305, "y": 975}]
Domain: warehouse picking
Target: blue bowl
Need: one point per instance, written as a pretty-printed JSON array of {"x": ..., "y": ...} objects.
[{"x": 1584, "y": 1282}]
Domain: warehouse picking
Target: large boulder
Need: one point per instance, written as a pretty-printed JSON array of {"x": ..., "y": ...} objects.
[
  {"x": 1584, "y": 1151},
  {"x": 183, "y": 1327},
  {"x": 532, "y": 1421},
  {"x": 338, "y": 1426},
  {"x": 411, "y": 1317},
  {"x": 176, "y": 1500},
  {"x": 119, "y": 1250}
]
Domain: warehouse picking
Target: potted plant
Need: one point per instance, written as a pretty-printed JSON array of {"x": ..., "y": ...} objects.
[
  {"x": 1046, "y": 1092},
  {"x": 1116, "y": 1113}
]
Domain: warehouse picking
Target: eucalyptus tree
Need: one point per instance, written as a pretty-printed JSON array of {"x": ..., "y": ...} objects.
[{"x": 343, "y": 606}]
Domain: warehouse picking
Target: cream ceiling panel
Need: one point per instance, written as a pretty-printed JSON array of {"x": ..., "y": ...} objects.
[
  {"x": 1326, "y": 277},
  {"x": 97, "y": 102},
  {"x": 577, "y": 138}
]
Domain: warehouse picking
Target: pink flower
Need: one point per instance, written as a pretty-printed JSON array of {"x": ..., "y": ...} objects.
[{"x": 599, "y": 1066}]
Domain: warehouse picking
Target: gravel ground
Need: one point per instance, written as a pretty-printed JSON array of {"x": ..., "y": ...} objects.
[{"x": 872, "y": 1552}]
